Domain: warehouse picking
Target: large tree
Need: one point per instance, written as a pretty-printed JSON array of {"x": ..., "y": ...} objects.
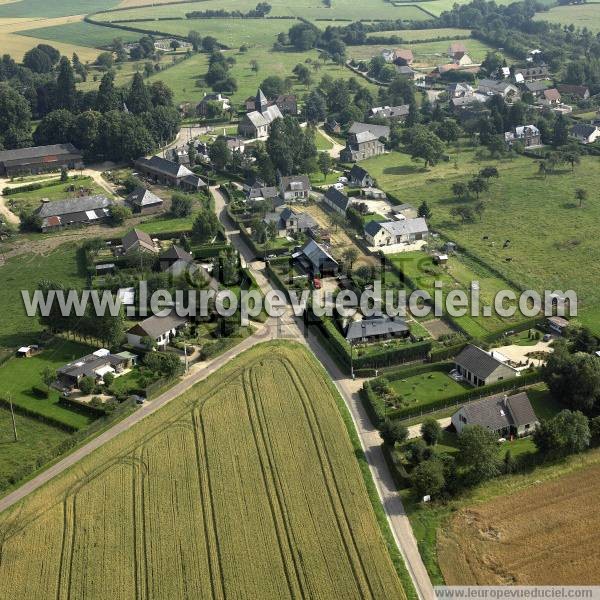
[
  {"x": 138, "y": 99},
  {"x": 292, "y": 150},
  {"x": 425, "y": 145},
  {"x": 15, "y": 119},
  {"x": 66, "y": 95},
  {"x": 479, "y": 453}
]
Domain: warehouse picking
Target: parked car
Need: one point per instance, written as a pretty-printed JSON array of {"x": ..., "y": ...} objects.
[
  {"x": 343, "y": 180},
  {"x": 338, "y": 186},
  {"x": 138, "y": 399},
  {"x": 455, "y": 375}
]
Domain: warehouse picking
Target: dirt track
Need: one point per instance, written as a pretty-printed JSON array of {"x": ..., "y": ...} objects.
[{"x": 546, "y": 534}]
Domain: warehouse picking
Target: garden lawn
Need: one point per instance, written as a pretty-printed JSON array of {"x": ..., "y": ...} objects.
[
  {"x": 417, "y": 389},
  {"x": 18, "y": 375},
  {"x": 23, "y": 273},
  {"x": 550, "y": 236}
]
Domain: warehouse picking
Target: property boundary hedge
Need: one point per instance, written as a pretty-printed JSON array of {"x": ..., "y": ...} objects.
[
  {"x": 26, "y": 412},
  {"x": 376, "y": 408}
]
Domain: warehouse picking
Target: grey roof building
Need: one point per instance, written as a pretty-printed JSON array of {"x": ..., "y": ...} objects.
[
  {"x": 167, "y": 172},
  {"x": 290, "y": 221},
  {"x": 479, "y": 367},
  {"x": 337, "y": 200},
  {"x": 143, "y": 201},
  {"x": 394, "y": 113},
  {"x": 378, "y": 131},
  {"x": 159, "y": 329},
  {"x": 504, "y": 415},
  {"x": 294, "y": 187},
  {"x": 360, "y": 177},
  {"x": 377, "y": 328},
  {"x": 73, "y": 211},
  {"x": 314, "y": 259},
  {"x": 137, "y": 240},
  {"x": 38, "y": 159},
  {"x": 94, "y": 365}
]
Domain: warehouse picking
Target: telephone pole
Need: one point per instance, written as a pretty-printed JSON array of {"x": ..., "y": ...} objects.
[{"x": 12, "y": 413}]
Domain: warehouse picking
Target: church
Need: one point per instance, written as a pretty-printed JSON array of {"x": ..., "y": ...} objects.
[{"x": 257, "y": 123}]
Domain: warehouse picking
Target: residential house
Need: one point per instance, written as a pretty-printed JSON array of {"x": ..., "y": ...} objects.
[
  {"x": 379, "y": 131},
  {"x": 337, "y": 200},
  {"x": 295, "y": 188},
  {"x": 138, "y": 241},
  {"x": 457, "y": 50},
  {"x": 493, "y": 87},
  {"x": 528, "y": 135},
  {"x": 333, "y": 127},
  {"x": 464, "y": 61},
  {"x": 409, "y": 73},
  {"x": 235, "y": 144},
  {"x": 585, "y": 133},
  {"x": 204, "y": 107},
  {"x": 287, "y": 104},
  {"x": 533, "y": 72},
  {"x": 403, "y": 56},
  {"x": 143, "y": 201},
  {"x": 550, "y": 97},
  {"x": 405, "y": 231},
  {"x": 180, "y": 155},
  {"x": 288, "y": 221},
  {"x": 257, "y": 123},
  {"x": 87, "y": 210},
  {"x": 536, "y": 88},
  {"x": 315, "y": 260},
  {"x": 581, "y": 92},
  {"x": 39, "y": 159},
  {"x": 166, "y": 172},
  {"x": 393, "y": 113},
  {"x": 159, "y": 329},
  {"x": 460, "y": 90},
  {"x": 361, "y": 146},
  {"x": 557, "y": 325},
  {"x": 462, "y": 104},
  {"x": 376, "y": 329},
  {"x": 262, "y": 193},
  {"x": 506, "y": 416},
  {"x": 360, "y": 177},
  {"x": 478, "y": 367},
  {"x": 95, "y": 365},
  {"x": 174, "y": 255}
]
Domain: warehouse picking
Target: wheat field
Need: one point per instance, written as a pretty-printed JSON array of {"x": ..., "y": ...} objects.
[{"x": 247, "y": 486}]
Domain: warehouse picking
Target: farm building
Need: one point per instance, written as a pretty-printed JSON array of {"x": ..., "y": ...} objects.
[
  {"x": 405, "y": 231},
  {"x": 159, "y": 329},
  {"x": 166, "y": 172},
  {"x": 478, "y": 367},
  {"x": 314, "y": 259},
  {"x": 376, "y": 329},
  {"x": 39, "y": 159},
  {"x": 86, "y": 210},
  {"x": 143, "y": 201},
  {"x": 558, "y": 325},
  {"x": 337, "y": 200},
  {"x": 138, "y": 241},
  {"x": 505, "y": 415},
  {"x": 576, "y": 91}
]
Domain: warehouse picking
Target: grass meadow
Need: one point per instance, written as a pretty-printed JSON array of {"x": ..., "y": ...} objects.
[
  {"x": 240, "y": 520},
  {"x": 551, "y": 237},
  {"x": 583, "y": 15}
]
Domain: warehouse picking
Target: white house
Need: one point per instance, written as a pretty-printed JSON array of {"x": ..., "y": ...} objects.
[
  {"x": 159, "y": 329},
  {"x": 295, "y": 188},
  {"x": 584, "y": 133},
  {"x": 406, "y": 231}
]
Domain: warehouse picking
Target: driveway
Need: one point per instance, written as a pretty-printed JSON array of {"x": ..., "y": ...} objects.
[
  {"x": 518, "y": 354},
  {"x": 336, "y": 148}
]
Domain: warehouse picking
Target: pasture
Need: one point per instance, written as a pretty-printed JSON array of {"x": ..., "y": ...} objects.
[
  {"x": 506, "y": 540},
  {"x": 53, "y": 8},
  {"x": 583, "y": 15},
  {"x": 212, "y": 496},
  {"x": 553, "y": 245},
  {"x": 417, "y": 35}
]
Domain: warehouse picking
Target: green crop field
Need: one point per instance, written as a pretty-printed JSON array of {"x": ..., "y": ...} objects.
[
  {"x": 53, "y": 8},
  {"x": 307, "y": 9},
  {"x": 247, "y": 486},
  {"x": 584, "y": 15},
  {"x": 81, "y": 34},
  {"x": 551, "y": 238}
]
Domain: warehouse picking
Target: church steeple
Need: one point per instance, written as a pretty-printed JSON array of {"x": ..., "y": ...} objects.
[{"x": 260, "y": 102}]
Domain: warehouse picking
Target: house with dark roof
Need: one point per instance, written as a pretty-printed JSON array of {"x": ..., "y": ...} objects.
[
  {"x": 40, "y": 159},
  {"x": 137, "y": 240},
  {"x": 378, "y": 131},
  {"x": 503, "y": 415},
  {"x": 95, "y": 365},
  {"x": 410, "y": 73},
  {"x": 87, "y": 210},
  {"x": 576, "y": 91},
  {"x": 288, "y": 221},
  {"x": 533, "y": 73},
  {"x": 361, "y": 146},
  {"x": 169, "y": 173},
  {"x": 315, "y": 260},
  {"x": 393, "y": 113},
  {"x": 478, "y": 367},
  {"x": 493, "y": 87},
  {"x": 360, "y": 177},
  {"x": 287, "y": 104},
  {"x": 337, "y": 200},
  {"x": 294, "y": 188},
  {"x": 173, "y": 255},
  {"x": 405, "y": 231},
  {"x": 585, "y": 133},
  {"x": 160, "y": 329},
  {"x": 143, "y": 201},
  {"x": 376, "y": 329},
  {"x": 537, "y": 88}
]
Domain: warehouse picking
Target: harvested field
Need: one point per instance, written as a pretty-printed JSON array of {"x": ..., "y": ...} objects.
[
  {"x": 545, "y": 534},
  {"x": 247, "y": 486}
]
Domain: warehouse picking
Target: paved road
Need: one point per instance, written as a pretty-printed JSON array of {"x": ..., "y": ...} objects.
[{"x": 349, "y": 390}]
